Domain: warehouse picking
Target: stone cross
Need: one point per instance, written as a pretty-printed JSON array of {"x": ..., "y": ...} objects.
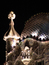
[{"x": 11, "y": 16}]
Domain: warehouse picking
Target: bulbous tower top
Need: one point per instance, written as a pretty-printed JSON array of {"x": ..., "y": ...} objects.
[{"x": 11, "y": 33}]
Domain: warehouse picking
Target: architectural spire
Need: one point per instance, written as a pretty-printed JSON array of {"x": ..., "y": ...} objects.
[{"x": 11, "y": 33}]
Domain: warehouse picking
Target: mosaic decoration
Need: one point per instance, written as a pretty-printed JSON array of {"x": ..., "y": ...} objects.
[
  {"x": 32, "y": 47},
  {"x": 37, "y": 26}
]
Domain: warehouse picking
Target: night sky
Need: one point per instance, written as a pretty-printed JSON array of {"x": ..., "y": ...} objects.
[{"x": 23, "y": 10}]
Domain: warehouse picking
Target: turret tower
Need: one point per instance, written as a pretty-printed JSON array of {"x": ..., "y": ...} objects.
[{"x": 11, "y": 36}]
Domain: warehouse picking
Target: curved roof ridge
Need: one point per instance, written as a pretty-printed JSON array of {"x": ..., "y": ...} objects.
[
  {"x": 35, "y": 15},
  {"x": 35, "y": 21}
]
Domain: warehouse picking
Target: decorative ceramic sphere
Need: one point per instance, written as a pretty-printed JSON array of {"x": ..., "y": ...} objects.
[{"x": 11, "y": 15}]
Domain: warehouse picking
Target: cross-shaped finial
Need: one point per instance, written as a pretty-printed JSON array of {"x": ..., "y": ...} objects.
[{"x": 11, "y": 16}]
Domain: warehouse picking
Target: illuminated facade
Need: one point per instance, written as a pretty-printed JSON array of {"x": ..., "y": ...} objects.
[{"x": 32, "y": 47}]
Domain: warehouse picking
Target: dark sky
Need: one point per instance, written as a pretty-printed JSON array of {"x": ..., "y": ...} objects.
[{"x": 23, "y": 10}]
